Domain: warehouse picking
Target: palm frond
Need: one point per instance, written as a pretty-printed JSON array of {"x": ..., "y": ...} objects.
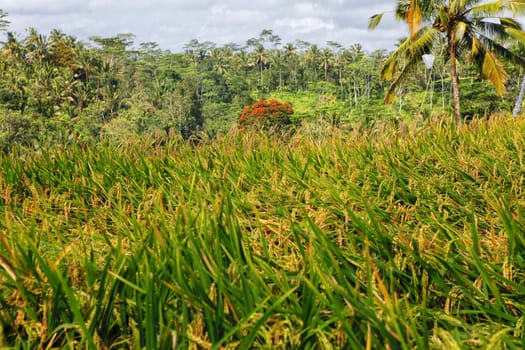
[
  {"x": 472, "y": 51},
  {"x": 487, "y": 9},
  {"x": 492, "y": 30},
  {"x": 428, "y": 7},
  {"x": 485, "y": 52},
  {"x": 402, "y": 9},
  {"x": 409, "y": 53},
  {"x": 505, "y": 53},
  {"x": 516, "y": 34},
  {"x": 456, "y": 7},
  {"x": 423, "y": 44},
  {"x": 510, "y": 23},
  {"x": 476, "y": 46},
  {"x": 388, "y": 68},
  {"x": 501, "y": 51},
  {"x": 390, "y": 65},
  {"x": 413, "y": 18},
  {"x": 516, "y": 7},
  {"x": 375, "y": 20},
  {"x": 493, "y": 8},
  {"x": 411, "y": 47},
  {"x": 494, "y": 71},
  {"x": 401, "y": 77}
]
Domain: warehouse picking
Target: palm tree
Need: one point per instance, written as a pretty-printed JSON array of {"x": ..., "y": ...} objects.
[
  {"x": 219, "y": 60},
  {"x": 37, "y": 46},
  {"x": 473, "y": 31},
  {"x": 327, "y": 57},
  {"x": 4, "y": 23},
  {"x": 260, "y": 59},
  {"x": 15, "y": 51},
  {"x": 14, "y": 57},
  {"x": 290, "y": 53},
  {"x": 312, "y": 57}
]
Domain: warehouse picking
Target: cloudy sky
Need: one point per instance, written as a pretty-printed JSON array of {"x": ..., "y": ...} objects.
[{"x": 173, "y": 23}]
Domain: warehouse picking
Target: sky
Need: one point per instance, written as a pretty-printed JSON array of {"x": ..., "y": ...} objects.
[{"x": 172, "y": 24}]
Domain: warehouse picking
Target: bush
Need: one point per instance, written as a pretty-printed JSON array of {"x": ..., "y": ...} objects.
[
  {"x": 267, "y": 115},
  {"x": 18, "y": 129}
]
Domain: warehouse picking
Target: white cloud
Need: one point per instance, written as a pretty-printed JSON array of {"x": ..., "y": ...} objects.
[
  {"x": 306, "y": 9},
  {"x": 306, "y": 24},
  {"x": 227, "y": 16},
  {"x": 36, "y": 7},
  {"x": 172, "y": 23}
]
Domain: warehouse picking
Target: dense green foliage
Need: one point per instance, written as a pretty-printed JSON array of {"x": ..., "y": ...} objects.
[
  {"x": 55, "y": 89},
  {"x": 403, "y": 237}
]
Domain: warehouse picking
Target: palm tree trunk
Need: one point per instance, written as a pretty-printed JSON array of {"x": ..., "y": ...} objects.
[
  {"x": 455, "y": 82},
  {"x": 519, "y": 101},
  {"x": 262, "y": 81},
  {"x": 280, "y": 77}
]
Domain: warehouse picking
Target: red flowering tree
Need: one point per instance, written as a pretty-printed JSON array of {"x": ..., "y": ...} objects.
[{"x": 269, "y": 115}]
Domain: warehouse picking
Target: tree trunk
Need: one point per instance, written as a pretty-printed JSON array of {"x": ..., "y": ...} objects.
[
  {"x": 455, "y": 82},
  {"x": 262, "y": 81},
  {"x": 519, "y": 101},
  {"x": 280, "y": 77}
]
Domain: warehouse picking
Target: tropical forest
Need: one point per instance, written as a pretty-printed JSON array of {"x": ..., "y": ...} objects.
[{"x": 267, "y": 194}]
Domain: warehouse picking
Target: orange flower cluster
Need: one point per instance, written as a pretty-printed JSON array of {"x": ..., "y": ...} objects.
[{"x": 266, "y": 114}]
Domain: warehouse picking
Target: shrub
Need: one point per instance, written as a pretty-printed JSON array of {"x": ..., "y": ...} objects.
[
  {"x": 19, "y": 129},
  {"x": 268, "y": 115}
]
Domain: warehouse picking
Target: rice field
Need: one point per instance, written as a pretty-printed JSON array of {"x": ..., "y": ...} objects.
[{"x": 398, "y": 238}]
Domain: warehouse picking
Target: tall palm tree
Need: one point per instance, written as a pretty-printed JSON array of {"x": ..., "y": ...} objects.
[
  {"x": 312, "y": 57},
  {"x": 290, "y": 53},
  {"x": 14, "y": 56},
  {"x": 356, "y": 52},
  {"x": 327, "y": 57},
  {"x": 260, "y": 59},
  {"x": 473, "y": 31},
  {"x": 37, "y": 45},
  {"x": 218, "y": 58},
  {"x": 15, "y": 51}
]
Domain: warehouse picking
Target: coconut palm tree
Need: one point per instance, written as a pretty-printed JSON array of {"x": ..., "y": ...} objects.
[
  {"x": 474, "y": 31},
  {"x": 260, "y": 59},
  {"x": 327, "y": 57},
  {"x": 312, "y": 58},
  {"x": 37, "y": 46},
  {"x": 290, "y": 54}
]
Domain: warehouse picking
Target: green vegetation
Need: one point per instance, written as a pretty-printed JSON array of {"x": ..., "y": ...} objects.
[
  {"x": 402, "y": 237},
  {"x": 134, "y": 216},
  {"x": 57, "y": 90}
]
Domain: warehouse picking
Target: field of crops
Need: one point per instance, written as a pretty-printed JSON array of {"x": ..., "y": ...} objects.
[{"x": 401, "y": 238}]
